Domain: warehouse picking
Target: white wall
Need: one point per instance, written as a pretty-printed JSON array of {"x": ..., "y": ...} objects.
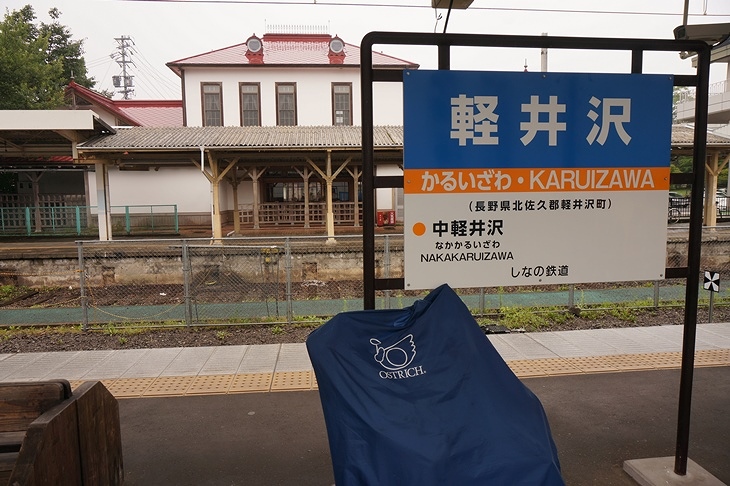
[
  {"x": 186, "y": 187},
  {"x": 314, "y": 94}
]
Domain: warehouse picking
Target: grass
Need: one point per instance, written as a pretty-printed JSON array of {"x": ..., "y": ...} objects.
[
  {"x": 543, "y": 318},
  {"x": 8, "y": 292}
]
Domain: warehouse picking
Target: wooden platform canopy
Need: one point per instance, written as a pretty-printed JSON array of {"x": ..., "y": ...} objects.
[{"x": 41, "y": 141}]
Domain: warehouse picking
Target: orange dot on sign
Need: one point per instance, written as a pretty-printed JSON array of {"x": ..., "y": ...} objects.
[{"x": 419, "y": 229}]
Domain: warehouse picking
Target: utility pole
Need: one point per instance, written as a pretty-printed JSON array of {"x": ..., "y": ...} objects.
[{"x": 123, "y": 57}]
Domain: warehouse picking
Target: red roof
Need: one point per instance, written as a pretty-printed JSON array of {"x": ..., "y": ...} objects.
[
  {"x": 310, "y": 50},
  {"x": 140, "y": 113},
  {"x": 156, "y": 113}
]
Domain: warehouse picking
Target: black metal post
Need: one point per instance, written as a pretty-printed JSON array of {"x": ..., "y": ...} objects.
[
  {"x": 693, "y": 262},
  {"x": 368, "y": 173}
]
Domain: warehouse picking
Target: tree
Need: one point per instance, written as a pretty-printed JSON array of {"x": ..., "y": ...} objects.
[{"x": 37, "y": 61}]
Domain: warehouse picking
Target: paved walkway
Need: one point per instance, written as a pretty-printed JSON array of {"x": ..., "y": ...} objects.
[{"x": 286, "y": 367}]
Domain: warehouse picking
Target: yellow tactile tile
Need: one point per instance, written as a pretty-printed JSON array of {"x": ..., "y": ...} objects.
[
  {"x": 210, "y": 385},
  {"x": 556, "y": 366},
  {"x": 712, "y": 357},
  {"x": 592, "y": 364},
  {"x": 632, "y": 362},
  {"x": 129, "y": 387},
  {"x": 169, "y": 386},
  {"x": 250, "y": 382},
  {"x": 76, "y": 383},
  {"x": 292, "y": 380},
  {"x": 524, "y": 368},
  {"x": 665, "y": 360}
]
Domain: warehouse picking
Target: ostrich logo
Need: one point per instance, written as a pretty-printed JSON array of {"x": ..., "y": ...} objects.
[{"x": 397, "y": 356}]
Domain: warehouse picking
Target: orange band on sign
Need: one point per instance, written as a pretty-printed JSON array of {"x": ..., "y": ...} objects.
[{"x": 459, "y": 181}]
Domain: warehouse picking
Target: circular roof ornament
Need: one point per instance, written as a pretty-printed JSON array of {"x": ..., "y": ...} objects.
[
  {"x": 336, "y": 45},
  {"x": 254, "y": 44}
]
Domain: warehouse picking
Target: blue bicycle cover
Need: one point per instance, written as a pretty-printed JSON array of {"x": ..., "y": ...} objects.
[{"x": 419, "y": 396}]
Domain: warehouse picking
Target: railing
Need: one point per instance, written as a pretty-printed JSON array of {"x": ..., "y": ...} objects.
[
  {"x": 62, "y": 219},
  {"x": 720, "y": 87},
  {"x": 679, "y": 208},
  {"x": 294, "y": 213}
]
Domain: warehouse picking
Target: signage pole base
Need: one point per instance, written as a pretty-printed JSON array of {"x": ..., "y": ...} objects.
[{"x": 660, "y": 471}]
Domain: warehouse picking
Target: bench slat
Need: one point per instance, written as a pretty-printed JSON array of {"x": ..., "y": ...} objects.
[
  {"x": 22, "y": 403},
  {"x": 7, "y": 461},
  {"x": 10, "y": 441}
]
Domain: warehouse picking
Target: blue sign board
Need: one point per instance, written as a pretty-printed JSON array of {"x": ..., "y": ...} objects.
[
  {"x": 522, "y": 119},
  {"x": 535, "y": 178}
]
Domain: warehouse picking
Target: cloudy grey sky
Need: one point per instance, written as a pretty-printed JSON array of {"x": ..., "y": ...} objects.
[{"x": 168, "y": 30}]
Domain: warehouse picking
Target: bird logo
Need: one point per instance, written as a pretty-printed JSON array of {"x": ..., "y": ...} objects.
[{"x": 397, "y": 356}]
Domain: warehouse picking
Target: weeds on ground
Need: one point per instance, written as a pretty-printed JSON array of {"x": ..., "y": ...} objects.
[
  {"x": 522, "y": 318},
  {"x": 221, "y": 335},
  {"x": 8, "y": 292}
]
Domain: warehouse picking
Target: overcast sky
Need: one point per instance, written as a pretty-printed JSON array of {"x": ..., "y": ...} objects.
[{"x": 169, "y": 30}]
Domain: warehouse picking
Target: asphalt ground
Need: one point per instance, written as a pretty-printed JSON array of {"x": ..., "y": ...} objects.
[{"x": 597, "y": 420}]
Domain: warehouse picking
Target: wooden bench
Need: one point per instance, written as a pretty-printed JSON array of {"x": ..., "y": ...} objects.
[{"x": 49, "y": 435}]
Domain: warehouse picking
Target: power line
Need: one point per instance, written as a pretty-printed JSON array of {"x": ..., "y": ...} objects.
[{"x": 340, "y": 3}]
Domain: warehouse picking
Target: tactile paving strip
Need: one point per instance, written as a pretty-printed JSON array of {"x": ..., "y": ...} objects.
[
  {"x": 166, "y": 386},
  {"x": 712, "y": 357},
  {"x": 129, "y": 387},
  {"x": 306, "y": 380},
  {"x": 251, "y": 382},
  {"x": 292, "y": 380},
  {"x": 210, "y": 385}
]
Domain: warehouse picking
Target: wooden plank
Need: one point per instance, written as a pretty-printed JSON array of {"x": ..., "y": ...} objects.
[
  {"x": 100, "y": 438},
  {"x": 10, "y": 441},
  {"x": 21, "y": 403},
  {"x": 7, "y": 461},
  {"x": 50, "y": 451}
]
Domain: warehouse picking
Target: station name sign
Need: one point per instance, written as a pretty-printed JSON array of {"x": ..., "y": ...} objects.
[{"x": 535, "y": 178}]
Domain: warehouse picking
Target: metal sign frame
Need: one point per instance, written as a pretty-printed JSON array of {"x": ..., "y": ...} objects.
[{"x": 637, "y": 47}]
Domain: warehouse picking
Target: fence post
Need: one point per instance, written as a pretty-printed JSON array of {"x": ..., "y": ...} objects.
[
  {"x": 127, "y": 222},
  {"x": 571, "y": 296},
  {"x": 287, "y": 272},
  {"x": 656, "y": 293},
  {"x": 386, "y": 268},
  {"x": 27, "y": 221},
  {"x": 82, "y": 287},
  {"x": 187, "y": 270},
  {"x": 482, "y": 301},
  {"x": 77, "y": 213}
]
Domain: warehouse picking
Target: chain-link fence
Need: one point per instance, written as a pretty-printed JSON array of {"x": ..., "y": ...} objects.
[{"x": 280, "y": 280}]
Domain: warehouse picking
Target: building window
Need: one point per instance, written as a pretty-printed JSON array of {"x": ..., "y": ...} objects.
[
  {"x": 212, "y": 105},
  {"x": 250, "y": 105},
  {"x": 286, "y": 104},
  {"x": 342, "y": 103}
]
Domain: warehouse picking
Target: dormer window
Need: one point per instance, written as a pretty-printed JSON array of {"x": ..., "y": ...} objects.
[
  {"x": 254, "y": 44},
  {"x": 254, "y": 50},
  {"x": 336, "y": 45},
  {"x": 336, "y": 52}
]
